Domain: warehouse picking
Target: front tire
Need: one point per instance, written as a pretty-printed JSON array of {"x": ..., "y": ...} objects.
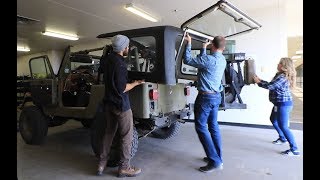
[{"x": 33, "y": 125}]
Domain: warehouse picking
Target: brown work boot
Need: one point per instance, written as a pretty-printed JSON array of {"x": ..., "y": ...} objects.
[{"x": 129, "y": 172}]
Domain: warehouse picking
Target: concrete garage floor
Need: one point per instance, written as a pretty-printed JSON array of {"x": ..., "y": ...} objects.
[{"x": 248, "y": 155}]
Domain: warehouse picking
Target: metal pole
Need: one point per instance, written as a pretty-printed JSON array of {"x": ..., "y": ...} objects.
[{"x": 184, "y": 35}]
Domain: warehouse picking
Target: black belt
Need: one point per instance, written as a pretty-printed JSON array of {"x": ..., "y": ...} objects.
[{"x": 207, "y": 92}]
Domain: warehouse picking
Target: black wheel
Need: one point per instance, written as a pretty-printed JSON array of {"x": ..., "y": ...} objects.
[
  {"x": 167, "y": 132},
  {"x": 86, "y": 123},
  {"x": 135, "y": 142},
  {"x": 57, "y": 121},
  {"x": 33, "y": 125},
  {"x": 115, "y": 149},
  {"x": 97, "y": 132}
]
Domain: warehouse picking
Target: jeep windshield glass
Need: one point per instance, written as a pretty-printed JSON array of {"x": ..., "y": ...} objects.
[{"x": 221, "y": 19}]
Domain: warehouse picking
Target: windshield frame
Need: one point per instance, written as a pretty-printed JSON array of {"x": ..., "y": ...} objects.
[{"x": 221, "y": 5}]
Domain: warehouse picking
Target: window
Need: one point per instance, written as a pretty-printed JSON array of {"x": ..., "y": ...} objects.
[
  {"x": 40, "y": 68},
  {"x": 190, "y": 70},
  {"x": 221, "y": 19},
  {"x": 142, "y": 54},
  {"x": 196, "y": 46}
]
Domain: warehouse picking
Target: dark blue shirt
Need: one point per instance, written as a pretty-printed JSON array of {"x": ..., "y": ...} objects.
[{"x": 115, "y": 79}]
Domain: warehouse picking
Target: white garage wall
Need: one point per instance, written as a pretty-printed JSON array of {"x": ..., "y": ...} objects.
[
  {"x": 55, "y": 60},
  {"x": 294, "y": 16},
  {"x": 266, "y": 46},
  {"x": 56, "y": 56}
]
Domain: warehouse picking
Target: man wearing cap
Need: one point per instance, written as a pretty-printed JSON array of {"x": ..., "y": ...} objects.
[{"x": 117, "y": 106}]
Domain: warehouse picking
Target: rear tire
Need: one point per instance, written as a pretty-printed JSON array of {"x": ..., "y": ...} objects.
[
  {"x": 114, "y": 154},
  {"x": 167, "y": 132},
  {"x": 33, "y": 125},
  {"x": 57, "y": 121}
]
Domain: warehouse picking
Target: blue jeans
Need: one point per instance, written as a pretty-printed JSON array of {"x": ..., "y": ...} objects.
[
  {"x": 280, "y": 120},
  {"x": 207, "y": 127}
]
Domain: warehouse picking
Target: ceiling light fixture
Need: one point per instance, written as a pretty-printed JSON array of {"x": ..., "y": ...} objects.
[
  {"x": 130, "y": 7},
  {"x": 299, "y": 52},
  {"x": 62, "y": 36},
  {"x": 295, "y": 57},
  {"x": 24, "y": 49}
]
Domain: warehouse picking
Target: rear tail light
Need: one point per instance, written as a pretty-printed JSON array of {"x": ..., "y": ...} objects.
[
  {"x": 154, "y": 94},
  {"x": 186, "y": 91}
]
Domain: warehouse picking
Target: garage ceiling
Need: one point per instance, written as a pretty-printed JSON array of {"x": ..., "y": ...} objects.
[{"x": 88, "y": 18}]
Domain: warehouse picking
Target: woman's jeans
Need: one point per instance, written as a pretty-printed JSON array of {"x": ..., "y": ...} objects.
[
  {"x": 280, "y": 120},
  {"x": 206, "y": 125}
]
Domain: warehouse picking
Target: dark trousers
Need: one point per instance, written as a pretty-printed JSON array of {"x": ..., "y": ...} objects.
[{"x": 123, "y": 123}]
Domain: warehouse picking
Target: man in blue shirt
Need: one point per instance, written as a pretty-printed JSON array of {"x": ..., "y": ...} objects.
[{"x": 210, "y": 71}]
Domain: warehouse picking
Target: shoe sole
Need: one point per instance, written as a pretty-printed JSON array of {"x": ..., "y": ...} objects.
[
  {"x": 127, "y": 175},
  {"x": 99, "y": 173},
  {"x": 207, "y": 171},
  {"x": 214, "y": 169},
  {"x": 291, "y": 155},
  {"x": 207, "y": 160},
  {"x": 279, "y": 143}
]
